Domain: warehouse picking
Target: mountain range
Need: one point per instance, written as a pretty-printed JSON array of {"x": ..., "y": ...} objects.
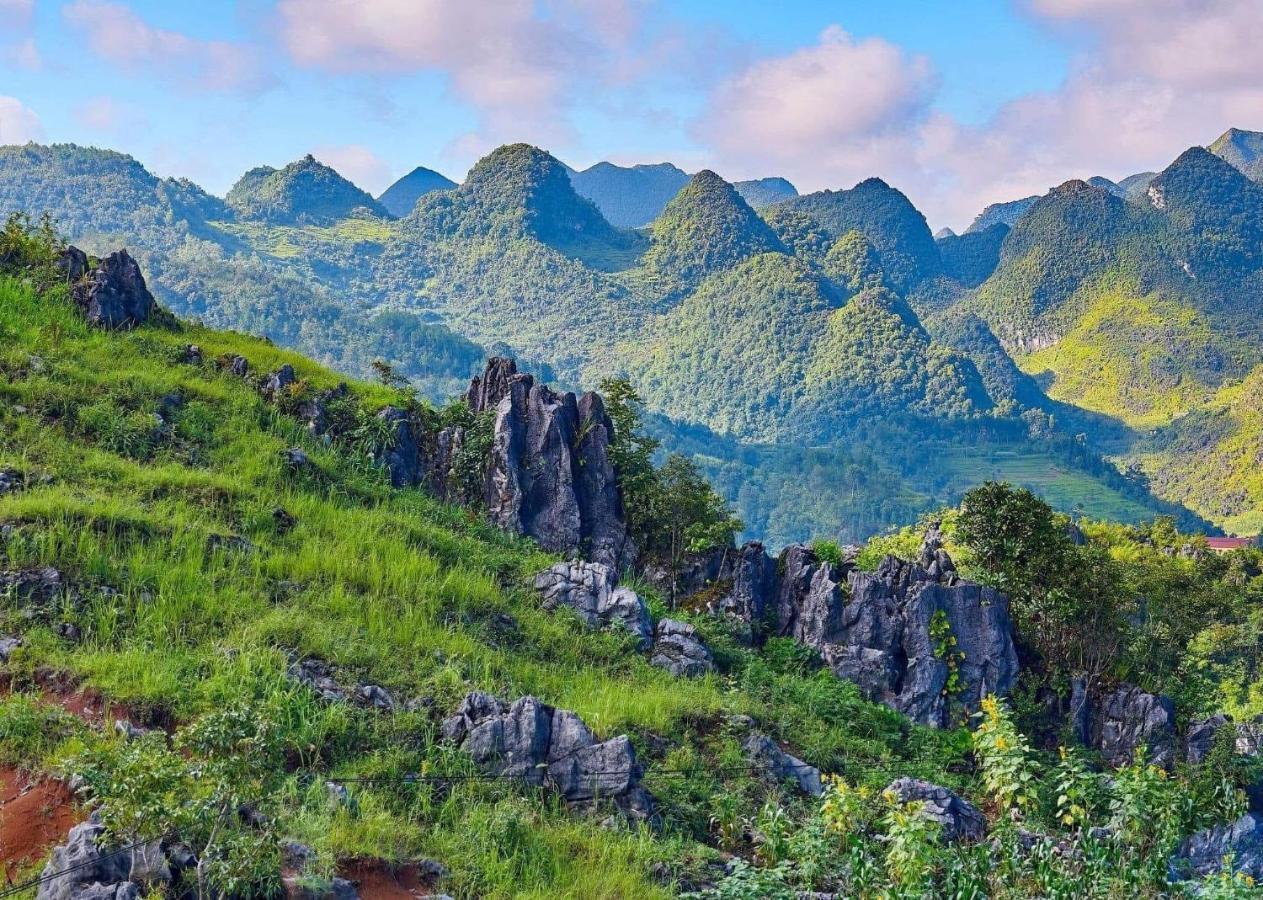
[{"x": 1099, "y": 343}]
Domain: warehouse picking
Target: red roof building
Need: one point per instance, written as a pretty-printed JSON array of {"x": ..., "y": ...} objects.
[{"x": 1228, "y": 544}]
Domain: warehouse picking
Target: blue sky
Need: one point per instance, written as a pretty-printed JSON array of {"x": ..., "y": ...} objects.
[{"x": 958, "y": 104}]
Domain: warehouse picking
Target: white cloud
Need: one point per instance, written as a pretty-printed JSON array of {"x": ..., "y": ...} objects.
[
  {"x": 522, "y": 65},
  {"x": 106, "y": 114},
  {"x": 1156, "y": 77},
  {"x": 18, "y": 123},
  {"x": 359, "y": 164},
  {"x": 117, "y": 34},
  {"x": 16, "y": 12}
]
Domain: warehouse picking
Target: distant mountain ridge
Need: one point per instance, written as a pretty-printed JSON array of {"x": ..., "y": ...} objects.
[
  {"x": 1242, "y": 149},
  {"x": 832, "y": 322},
  {"x": 400, "y": 198}
]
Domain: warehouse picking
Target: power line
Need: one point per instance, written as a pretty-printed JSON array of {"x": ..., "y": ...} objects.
[
  {"x": 14, "y": 889},
  {"x": 417, "y": 778}
]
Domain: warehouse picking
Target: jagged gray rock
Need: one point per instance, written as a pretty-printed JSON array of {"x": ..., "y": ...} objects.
[
  {"x": 549, "y": 476},
  {"x": 764, "y": 752},
  {"x": 1202, "y": 736},
  {"x": 400, "y": 455},
  {"x": 1131, "y": 718},
  {"x": 275, "y": 385},
  {"x": 81, "y": 869},
  {"x": 114, "y": 295},
  {"x": 591, "y": 590},
  {"x": 961, "y": 820},
  {"x": 809, "y": 597},
  {"x": 72, "y": 264},
  {"x": 550, "y": 747},
  {"x": 679, "y": 649},
  {"x": 751, "y": 597},
  {"x": 889, "y": 636},
  {"x": 8, "y": 644},
  {"x": 1204, "y": 853},
  {"x": 11, "y": 481}
]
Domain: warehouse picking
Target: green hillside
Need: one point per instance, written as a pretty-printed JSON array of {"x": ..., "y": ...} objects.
[{"x": 208, "y": 549}]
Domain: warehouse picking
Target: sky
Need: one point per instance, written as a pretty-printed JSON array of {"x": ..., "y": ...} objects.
[{"x": 958, "y": 104}]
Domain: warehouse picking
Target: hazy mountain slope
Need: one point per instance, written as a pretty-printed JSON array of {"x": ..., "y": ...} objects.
[
  {"x": 201, "y": 263},
  {"x": 1242, "y": 149},
  {"x": 629, "y": 196},
  {"x": 402, "y": 196},
  {"x": 970, "y": 258},
  {"x": 1006, "y": 213},
  {"x": 305, "y": 192},
  {"x": 765, "y": 191}
]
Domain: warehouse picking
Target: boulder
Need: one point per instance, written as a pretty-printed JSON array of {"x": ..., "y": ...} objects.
[
  {"x": 961, "y": 820},
  {"x": 1129, "y": 719},
  {"x": 1202, "y": 736},
  {"x": 549, "y": 747},
  {"x": 295, "y": 459},
  {"x": 276, "y": 383},
  {"x": 114, "y": 295},
  {"x": 679, "y": 649},
  {"x": 893, "y": 635},
  {"x": 72, "y": 264},
  {"x": 8, "y": 644},
  {"x": 239, "y": 366},
  {"x": 549, "y": 476},
  {"x": 1206, "y": 852},
  {"x": 751, "y": 596},
  {"x": 400, "y": 455},
  {"x": 764, "y": 753},
  {"x": 591, "y": 590},
  {"x": 81, "y": 868},
  {"x": 11, "y": 481}
]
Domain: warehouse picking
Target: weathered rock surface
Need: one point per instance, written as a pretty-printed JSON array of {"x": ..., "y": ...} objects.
[
  {"x": 72, "y": 264},
  {"x": 751, "y": 596},
  {"x": 591, "y": 590},
  {"x": 11, "y": 481},
  {"x": 550, "y": 476},
  {"x": 1128, "y": 719},
  {"x": 678, "y": 648},
  {"x": 275, "y": 385},
  {"x": 114, "y": 295},
  {"x": 98, "y": 872},
  {"x": 8, "y": 644},
  {"x": 889, "y": 631},
  {"x": 961, "y": 820},
  {"x": 541, "y": 745},
  {"x": 763, "y": 752},
  {"x": 321, "y": 678},
  {"x": 1204, "y": 853},
  {"x": 400, "y": 455}
]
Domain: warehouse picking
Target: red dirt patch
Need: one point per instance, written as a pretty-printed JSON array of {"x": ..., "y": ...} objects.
[
  {"x": 34, "y": 816},
  {"x": 379, "y": 880}
]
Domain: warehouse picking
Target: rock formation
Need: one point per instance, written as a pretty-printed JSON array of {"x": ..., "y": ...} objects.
[
  {"x": 81, "y": 869},
  {"x": 764, "y": 753},
  {"x": 914, "y": 636},
  {"x": 114, "y": 295},
  {"x": 1207, "y": 852},
  {"x": 550, "y": 476},
  {"x": 678, "y": 648},
  {"x": 1126, "y": 719},
  {"x": 592, "y": 591},
  {"x": 540, "y": 745},
  {"x": 961, "y": 820}
]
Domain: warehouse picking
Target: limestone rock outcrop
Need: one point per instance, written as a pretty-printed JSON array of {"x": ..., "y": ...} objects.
[
  {"x": 764, "y": 753},
  {"x": 678, "y": 648},
  {"x": 553, "y": 748},
  {"x": 591, "y": 590},
  {"x": 550, "y": 476},
  {"x": 1208, "y": 852},
  {"x": 114, "y": 294},
  {"x": 961, "y": 820}
]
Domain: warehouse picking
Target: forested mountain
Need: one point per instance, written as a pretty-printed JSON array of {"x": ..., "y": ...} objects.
[
  {"x": 832, "y": 324},
  {"x": 400, "y": 198},
  {"x": 1242, "y": 149},
  {"x": 305, "y": 192}
]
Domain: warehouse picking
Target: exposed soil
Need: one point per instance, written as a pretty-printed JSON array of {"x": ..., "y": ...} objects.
[
  {"x": 34, "y": 817},
  {"x": 378, "y": 880}
]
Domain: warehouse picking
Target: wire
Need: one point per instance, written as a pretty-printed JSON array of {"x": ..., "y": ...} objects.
[
  {"x": 13, "y": 889},
  {"x": 415, "y": 778}
]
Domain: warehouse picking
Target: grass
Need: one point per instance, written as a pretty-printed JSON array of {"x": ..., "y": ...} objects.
[
  {"x": 1063, "y": 487},
  {"x": 391, "y": 586}
]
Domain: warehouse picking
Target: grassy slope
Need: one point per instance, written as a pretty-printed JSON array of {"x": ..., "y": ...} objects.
[{"x": 389, "y": 585}]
